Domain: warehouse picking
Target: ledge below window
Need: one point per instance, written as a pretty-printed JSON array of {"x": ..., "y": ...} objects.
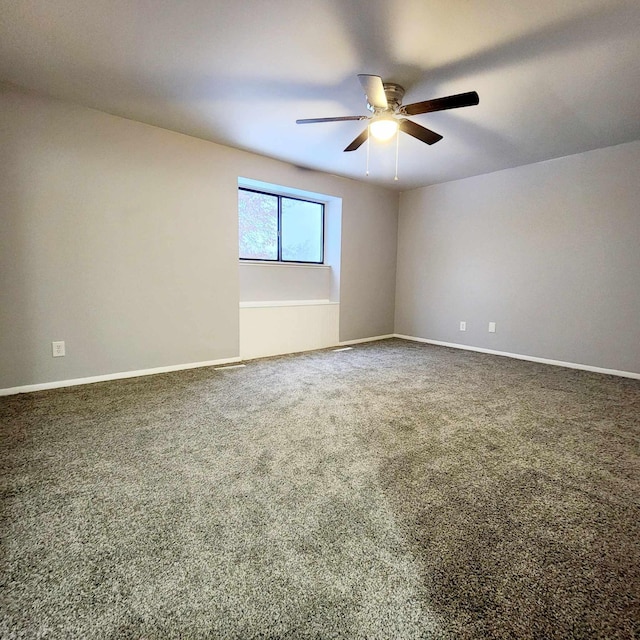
[
  {"x": 306, "y": 265},
  {"x": 285, "y": 303}
]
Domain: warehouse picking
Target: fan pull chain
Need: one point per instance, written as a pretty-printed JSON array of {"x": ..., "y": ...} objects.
[
  {"x": 368, "y": 136},
  {"x": 397, "y": 147}
]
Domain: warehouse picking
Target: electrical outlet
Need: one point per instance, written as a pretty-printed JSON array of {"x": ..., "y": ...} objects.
[
  {"x": 463, "y": 326},
  {"x": 58, "y": 349},
  {"x": 492, "y": 327}
]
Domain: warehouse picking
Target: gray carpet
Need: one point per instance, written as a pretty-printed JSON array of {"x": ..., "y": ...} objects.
[{"x": 396, "y": 490}]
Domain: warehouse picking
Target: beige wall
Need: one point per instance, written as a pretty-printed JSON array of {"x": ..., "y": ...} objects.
[
  {"x": 550, "y": 252},
  {"x": 121, "y": 239},
  {"x": 369, "y": 264},
  {"x": 263, "y": 282}
]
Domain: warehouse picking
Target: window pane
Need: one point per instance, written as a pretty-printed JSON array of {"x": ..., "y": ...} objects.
[
  {"x": 301, "y": 231},
  {"x": 258, "y": 225}
]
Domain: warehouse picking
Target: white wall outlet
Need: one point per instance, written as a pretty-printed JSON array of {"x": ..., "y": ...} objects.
[
  {"x": 463, "y": 326},
  {"x": 58, "y": 349},
  {"x": 492, "y": 327}
]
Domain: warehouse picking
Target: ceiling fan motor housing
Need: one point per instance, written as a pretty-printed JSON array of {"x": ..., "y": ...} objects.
[{"x": 394, "y": 94}]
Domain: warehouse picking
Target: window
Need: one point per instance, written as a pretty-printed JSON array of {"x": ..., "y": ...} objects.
[{"x": 280, "y": 228}]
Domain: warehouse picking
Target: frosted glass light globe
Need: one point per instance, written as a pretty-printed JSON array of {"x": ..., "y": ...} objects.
[{"x": 383, "y": 128}]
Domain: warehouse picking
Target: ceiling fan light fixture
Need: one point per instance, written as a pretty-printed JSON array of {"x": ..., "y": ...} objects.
[
  {"x": 383, "y": 128},
  {"x": 384, "y": 100}
]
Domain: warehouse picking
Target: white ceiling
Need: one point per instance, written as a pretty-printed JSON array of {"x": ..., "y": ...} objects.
[{"x": 555, "y": 77}]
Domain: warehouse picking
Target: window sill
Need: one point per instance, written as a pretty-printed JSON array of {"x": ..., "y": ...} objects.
[
  {"x": 285, "y": 303},
  {"x": 295, "y": 265}
]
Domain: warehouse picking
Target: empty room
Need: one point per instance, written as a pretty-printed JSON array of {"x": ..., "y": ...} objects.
[{"x": 319, "y": 319}]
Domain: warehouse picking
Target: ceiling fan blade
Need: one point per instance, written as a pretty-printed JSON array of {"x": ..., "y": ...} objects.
[
  {"x": 374, "y": 90},
  {"x": 338, "y": 119},
  {"x": 468, "y": 99},
  {"x": 418, "y": 131},
  {"x": 359, "y": 140}
]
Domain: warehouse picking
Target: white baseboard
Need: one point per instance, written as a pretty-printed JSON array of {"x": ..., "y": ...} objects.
[
  {"x": 57, "y": 384},
  {"x": 345, "y": 343},
  {"x": 210, "y": 363},
  {"x": 518, "y": 356}
]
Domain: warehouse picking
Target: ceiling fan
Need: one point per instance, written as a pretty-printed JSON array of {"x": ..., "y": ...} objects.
[{"x": 384, "y": 100}]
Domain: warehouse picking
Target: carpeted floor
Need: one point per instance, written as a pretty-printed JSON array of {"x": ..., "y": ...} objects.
[{"x": 397, "y": 490}]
